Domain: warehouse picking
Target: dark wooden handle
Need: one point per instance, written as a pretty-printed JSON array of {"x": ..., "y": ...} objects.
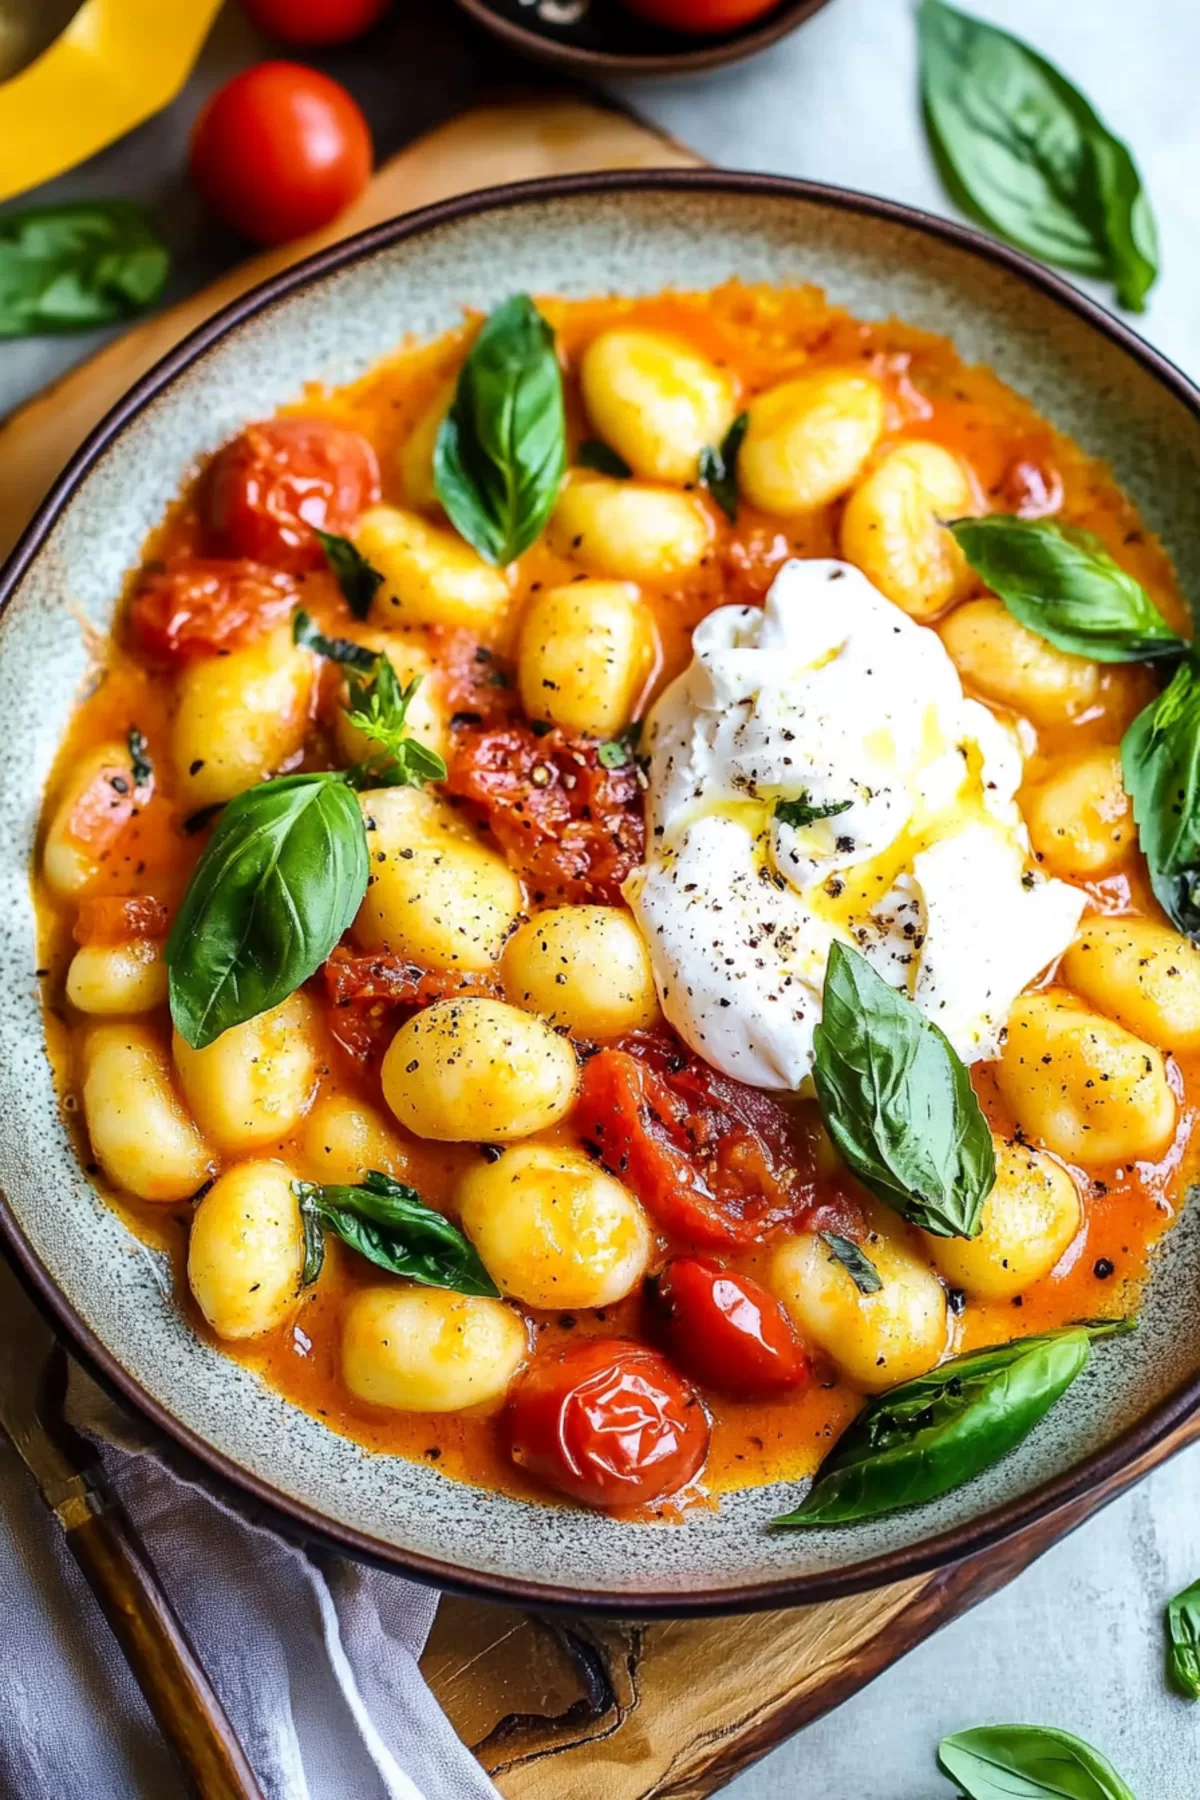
[{"x": 169, "y": 1673}]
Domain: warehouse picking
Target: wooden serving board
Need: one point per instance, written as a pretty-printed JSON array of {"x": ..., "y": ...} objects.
[{"x": 573, "y": 1709}]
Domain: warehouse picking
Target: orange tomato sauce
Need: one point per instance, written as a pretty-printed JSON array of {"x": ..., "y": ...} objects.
[{"x": 762, "y": 336}]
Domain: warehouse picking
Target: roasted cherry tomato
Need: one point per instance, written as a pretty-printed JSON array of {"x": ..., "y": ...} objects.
[
  {"x": 205, "y": 605},
  {"x": 700, "y": 18},
  {"x": 609, "y": 1423},
  {"x": 272, "y": 486},
  {"x": 314, "y": 22},
  {"x": 110, "y": 919},
  {"x": 726, "y": 1330},
  {"x": 280, "y": 151}
]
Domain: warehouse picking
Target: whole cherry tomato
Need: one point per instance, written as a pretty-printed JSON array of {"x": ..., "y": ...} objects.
[
  {"x": 726, "y": 1330},
  {"x": 206, "y": 604},
  {"x": 269, "y": 488},
  {"x": 279, "y": 151},
  {"x": 609, "y": 1423},
  {"x": 700, "y": 18},
  {"x": 313, "y": 22}
]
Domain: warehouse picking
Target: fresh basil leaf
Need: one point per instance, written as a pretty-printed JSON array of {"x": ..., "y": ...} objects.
[
  {"x": 898, "y": 1102},
  {"x": 280, "y": 880},
  {"x": 355, "y": 575},
  {"x": 1028, "y": 1762},
  {"x": 141, "y": 768},
  {"x": 1062, "y": 583},
  {"x": 1183, "y": 1641},
  {"x": 335, "y": 649},
  {"x": 718, "y": 468},
  {"x": 1024, "y": 152},
  {"x": 931, "y": 1435},
  {"x": 593, "y": 454},
  {"x": 801, "y": 811},
  {"x": 378, "y": 706},
  {"x": 73, "y": 266},
  {"x": 388, "y": 1223},
  {"x": 1160, "y": 761},
  {"x": 854, "y": 1260},
  {"x": 502, "y": 447}
]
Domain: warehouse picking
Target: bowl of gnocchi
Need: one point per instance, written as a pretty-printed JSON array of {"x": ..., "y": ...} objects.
[{"x": 597, "y": 836}]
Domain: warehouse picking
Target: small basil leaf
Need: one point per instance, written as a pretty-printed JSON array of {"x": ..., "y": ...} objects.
[
  {"x": 1183, "y": 1641},
  {"x": 1023, "y": 151},
  {"x": 502, "y": 447},
  {"x": 617, "y": 752},
  {"x": 334, "y": 649},
  {"x": 718, "y": 468},
  {"x": 931, "y": 1435},
  {"x": 1028, "y": 1762},
  {"x": 355, "y": 576},
  {"x": 1062, "y": 583},
  {"x": 898, "y": 1102},
  {"x": 592, "y": 454},
  {"x": 141, "y": 767},
  {"x": 378, "y": 707},
  {"x": 802, "y": 811},
  {"x": 387, "y": 1222},
  {"x": 854, "y": 1260},
  {"x": 70, "y": 267},
  {"x": 307, "y": 1194},
  {"x": 280, "y": 880},
  {"x": 1160, "y": 760}
]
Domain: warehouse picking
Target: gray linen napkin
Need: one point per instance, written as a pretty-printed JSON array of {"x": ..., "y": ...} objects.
[{"x": 314, "y": 1659}]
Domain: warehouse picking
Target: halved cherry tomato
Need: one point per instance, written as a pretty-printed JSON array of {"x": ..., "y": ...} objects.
[
  {"x": 107, "y": 919},
  {"x": 313, "y": 22},
  {"x": 206, "y": 604},
  {"x": 700, "y": 18},
  {"x": 280, "y": 151},
  {"x": 608, "y": 1423},
  {"x": 269, "y": 489},
  {"x": 726, "y": 1330}
]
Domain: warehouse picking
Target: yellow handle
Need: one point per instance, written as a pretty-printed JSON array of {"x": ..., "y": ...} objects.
[{"x": 117, "y": 62}]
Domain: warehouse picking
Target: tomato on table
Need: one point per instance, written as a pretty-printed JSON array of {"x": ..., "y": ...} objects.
[
  {"x": 203, "y": 605},
  {"x": 315, "y": 22},
  {"x": 280, "y": 151},
  {"x": 700, "y": 18},
  {"x": 726, "y": 1330},
  {"x": 609, "y": 1423},
  {"x": 273, "y": 488}
]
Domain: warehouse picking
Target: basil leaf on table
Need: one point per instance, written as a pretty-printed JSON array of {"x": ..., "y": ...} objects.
[
  {"x": 718, "y": 468},
  {"x": 356, "y": 578},
  {"x": 898, "y": 1102},
  {"x": 335, "y": 649},
  {"x": 70, "y": 267},
  {"x": 593, "y": 454},
  {"x": 854, "y": 1260},
  {"x": 929, "y": 1436},
  {"x": 387, "y": 1222},
  {"x": 1023, "y": 151},
  {"x": 1160, "y": 761},
  {"x": 1183, "y": 1641},
  {"x": 1062, "y": 583},
  {"x": 280, "y": 880},
  {"x": 1028, "y": 1762},
  {"x": 378, "y": 706},
  {"x": 803, "y": 812},
  {"x": 501, "y": 450}
]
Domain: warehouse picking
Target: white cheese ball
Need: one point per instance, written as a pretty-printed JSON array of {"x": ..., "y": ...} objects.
[
  {"x": 417, "y": 1349},
  {"x": 246, "y": 1250}
]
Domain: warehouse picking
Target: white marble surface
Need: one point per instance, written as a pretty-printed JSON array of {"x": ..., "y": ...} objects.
[{"x": 1076, "y": 1641}]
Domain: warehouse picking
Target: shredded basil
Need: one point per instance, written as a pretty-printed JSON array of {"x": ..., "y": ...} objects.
[
  {"x": 356, "y": 578},
  {"x": 718, "y": 468},
  {"x": 387, "y": 1222},
  {"x": 801, "y": 811},
  {"x": 593, "y": 454},
  {"x": 141, "y": 768},
  {"x": 335, "y": 649},
  {"x": 854, "y": 1260}
]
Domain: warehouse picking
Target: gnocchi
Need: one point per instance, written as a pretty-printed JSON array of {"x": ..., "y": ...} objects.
[
  {"x": 240, "y": 718},
  {"x": 584, "y": 655},
  {"x": 1144, "y": 974},
  {"x": 426, "y": 1350},
  {"x": 478, "y": 1069},
  {"x": 1030, "y": 1219},
  {"x": 630, "y": 531},
  {"x": 583, "y": 967},
  {"x": 655, "y": 400},
  {"x": 553, "y": 1229},
  {"x": 1002, "y": 661},
  {"x": 141, "y": 1133},
  {"x": 893, "y": 528},
  {"x": 344, "y": 1138},
  {"x": 246, "y": 1250},
  {"x": 1080, "y": 818},
  {"x": 254, "y": 1084},
  {"x": 808, "y": 440},
  {"x": 118, "y": 978},
  {"x": 94, "y": 808},
  {"x": 430, "y": 576}
]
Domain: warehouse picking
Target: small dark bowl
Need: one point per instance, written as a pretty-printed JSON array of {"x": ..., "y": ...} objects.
[{"x": 607, "y": 40}]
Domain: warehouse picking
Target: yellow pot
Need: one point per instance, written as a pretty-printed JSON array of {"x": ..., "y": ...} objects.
[{"x": 114, "y": 64}]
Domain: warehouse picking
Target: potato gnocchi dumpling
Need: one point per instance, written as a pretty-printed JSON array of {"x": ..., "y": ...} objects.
[
  {"x": 1002, "y": 661},
  {"x": 584, "y": 654},
  {"x": 241, "y": 717},
  {"x": 1143, "y": 974},
  {"x": 553, "y": 1229},
  {"x": 430, "y": 576},
  {"x": 92, "y": 810},
  {"x": 624, "y": 529},
  {"x": 118, "y": 978},
  {"x": 254, "y": 1084},
  {"x": 1080, "y": 818},
  {"x": 808, "y": 440},
  {"x": 655, "y": 401},
  {"x": 1030, "y": 1219},
  {"x": 344, "y": 1138},
  {"x": 141, "y": 1133},
  {"x": 583, "y": 967},
  {"x": 246, "y": 1250},
  {"x": 478, "y": 1069},
  {"x": 893, "y": 528},
  {"x": 425, "y": 1350}
]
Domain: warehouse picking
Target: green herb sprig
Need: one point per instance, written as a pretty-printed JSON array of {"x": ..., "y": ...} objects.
[
  {"x": 718, "y": 467},
  {"x": 387, "y": 1222}
]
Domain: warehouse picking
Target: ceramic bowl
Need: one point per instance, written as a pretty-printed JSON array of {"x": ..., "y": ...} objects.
[
  {"x": 598, "y": 38},
  {"x": 331, "y": 318}
]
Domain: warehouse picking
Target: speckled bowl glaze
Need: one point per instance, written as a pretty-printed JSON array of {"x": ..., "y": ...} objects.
[{"x": 331, "y": 318}]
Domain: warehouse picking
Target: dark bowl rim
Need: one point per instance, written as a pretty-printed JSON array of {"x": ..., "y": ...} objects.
[
  {"x": 294, "y": 1517},
  {"x": 731, "y": 48}
]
